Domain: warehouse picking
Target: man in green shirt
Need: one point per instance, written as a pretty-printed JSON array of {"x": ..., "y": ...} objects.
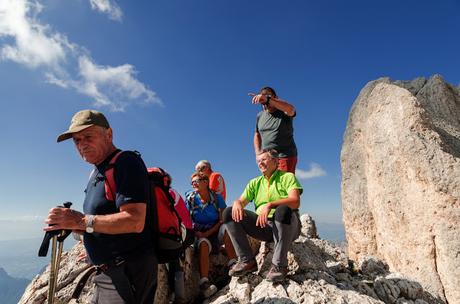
[{"x": 276, "y": 195}]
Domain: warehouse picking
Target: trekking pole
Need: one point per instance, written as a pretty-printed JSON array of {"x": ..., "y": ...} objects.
[
  {"x": 53, "y": 277},
  {"x": 60, "y": 240},
  {"x": 56, "y": 251}
]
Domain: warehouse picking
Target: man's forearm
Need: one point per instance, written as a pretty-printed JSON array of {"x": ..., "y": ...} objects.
[
  {"x": 283, "y": 106},
  {"x": 242, "y": 202},
  {"x": 290, "y": 202},
  {"x": 257, "y": 143},
  {"x": 131, "y": 220},
  {"x": 213, "y": 229}
]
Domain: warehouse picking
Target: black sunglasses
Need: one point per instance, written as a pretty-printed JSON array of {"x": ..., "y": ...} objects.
[{"x": 196, "y": 181}]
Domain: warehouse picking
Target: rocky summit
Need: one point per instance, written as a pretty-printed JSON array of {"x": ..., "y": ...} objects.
[
  {"x": 318, "y": 273},
  {"x": 401, "y": 181},
  {"x": 401, "y": 208}
]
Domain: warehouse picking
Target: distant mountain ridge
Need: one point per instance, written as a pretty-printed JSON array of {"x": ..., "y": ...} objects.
[{"x": 11, "y": 289}]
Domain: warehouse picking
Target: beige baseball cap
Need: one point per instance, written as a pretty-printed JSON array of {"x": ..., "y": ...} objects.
[{"x": 82, "y": 120}]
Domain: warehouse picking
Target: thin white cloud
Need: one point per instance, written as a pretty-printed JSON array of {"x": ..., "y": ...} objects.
[
  {"x": 108, "y": 7},
  {"x": 314, "y": 171},
  {"x": 26, "y": 41},
  {"x": 114, "y": 87},
  {"x": 33, "y": 44}
]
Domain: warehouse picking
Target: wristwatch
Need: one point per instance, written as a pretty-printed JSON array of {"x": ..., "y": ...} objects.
[{"x": 89, "y": 223}]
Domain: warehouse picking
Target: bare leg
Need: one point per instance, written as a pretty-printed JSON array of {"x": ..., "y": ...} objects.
[{"x": 204, "y": 259}]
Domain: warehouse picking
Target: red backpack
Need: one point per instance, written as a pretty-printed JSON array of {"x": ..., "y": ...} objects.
[{"x": 164, "y": 219}]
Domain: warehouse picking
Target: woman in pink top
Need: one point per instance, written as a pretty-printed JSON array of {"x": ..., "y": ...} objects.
[{"x": 175, "y": 270}]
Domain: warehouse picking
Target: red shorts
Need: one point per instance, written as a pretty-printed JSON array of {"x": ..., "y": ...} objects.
[{"x": 287, "y": 163}]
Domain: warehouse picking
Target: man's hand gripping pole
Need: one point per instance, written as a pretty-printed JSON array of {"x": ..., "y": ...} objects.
[{"x": 57, "y": 238}]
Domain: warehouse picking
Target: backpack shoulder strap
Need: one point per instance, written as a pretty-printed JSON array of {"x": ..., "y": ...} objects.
[
  {"x": 190, "y": 201},
  {"x": 190, "y": 198},
  {"x": 213, "y": 197},
  {"x": 109, "y": 183}
]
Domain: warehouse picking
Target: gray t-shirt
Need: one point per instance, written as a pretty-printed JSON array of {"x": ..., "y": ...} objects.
[{"x": 276, "y": 132}]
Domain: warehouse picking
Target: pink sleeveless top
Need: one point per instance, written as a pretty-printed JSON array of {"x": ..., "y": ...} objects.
[{"x": 181, "y": 208}]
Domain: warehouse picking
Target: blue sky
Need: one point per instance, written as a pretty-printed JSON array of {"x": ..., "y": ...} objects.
[{"x": 173, "y": 78}]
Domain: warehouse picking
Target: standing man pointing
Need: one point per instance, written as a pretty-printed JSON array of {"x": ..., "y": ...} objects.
[
  {"x": 274, "y": 128},
  {"x": 116, "y": 234}
]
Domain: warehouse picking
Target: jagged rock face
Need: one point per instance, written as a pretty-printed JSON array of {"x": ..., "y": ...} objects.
[
  {"x": 71, "y": 270},
  {"x": 401, "y": 180},
  {"x": 319, "y": 273}
]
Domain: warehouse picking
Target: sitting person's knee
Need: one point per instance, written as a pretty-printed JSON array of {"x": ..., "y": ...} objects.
[
  {"x": 283, "y": 214},
  {"x": 204, "y": 245},
  {"x": 227, "y": 215}
]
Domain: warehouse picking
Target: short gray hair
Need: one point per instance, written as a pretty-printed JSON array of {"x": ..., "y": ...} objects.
[
  {"x": 203, "y": 163},
  {"x": 272, "y": 152}
]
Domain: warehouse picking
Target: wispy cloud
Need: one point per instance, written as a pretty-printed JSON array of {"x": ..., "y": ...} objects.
[
  {"x": 33, "y": 44},
  {"x": 27, "y": 41},
  {"x": 113, "y": 87},
  {"x": 314, "y": 171},
  {"x": 108, "y": 7}
]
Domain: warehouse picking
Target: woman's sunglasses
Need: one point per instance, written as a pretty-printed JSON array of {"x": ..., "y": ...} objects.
[{"x": 196, "y": 181}]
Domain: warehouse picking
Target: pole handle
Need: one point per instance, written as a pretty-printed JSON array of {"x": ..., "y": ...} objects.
[{"x": 62, "y": 235}]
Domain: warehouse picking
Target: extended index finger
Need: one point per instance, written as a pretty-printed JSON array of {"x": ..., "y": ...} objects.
[{"x": 252, "y": 94}]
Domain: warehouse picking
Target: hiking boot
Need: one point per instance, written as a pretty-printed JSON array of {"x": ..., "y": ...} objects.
[
  {"x": 242, "y": 268},
  {"x": 277, "y": 273},
  {"x": 207, "y": 289},
  {"x": 173, "y": 299},
  {"x": 231, "y": 263}
]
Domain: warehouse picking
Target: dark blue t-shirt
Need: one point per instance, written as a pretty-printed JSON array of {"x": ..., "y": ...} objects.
[{"x": 131, "y": 181}]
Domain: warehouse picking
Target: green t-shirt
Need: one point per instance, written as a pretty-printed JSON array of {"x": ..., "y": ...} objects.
[{"x": 261, "y": 191}]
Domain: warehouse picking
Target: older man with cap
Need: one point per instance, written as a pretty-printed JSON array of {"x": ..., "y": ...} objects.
[
  {"x": 116, "y": 235},
  {"x": 216, "y": 181}
]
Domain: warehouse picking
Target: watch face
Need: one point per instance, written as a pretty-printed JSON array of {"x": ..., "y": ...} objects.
[{"x": 89, "y": 224}]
